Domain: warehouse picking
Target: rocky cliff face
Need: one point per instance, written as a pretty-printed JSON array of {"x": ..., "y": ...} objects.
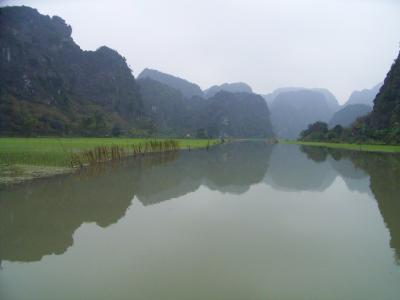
[
  {"x": 48, "y": 85},
  {"x": 385, "y": 116},
  {"x": 188, "y": 89},
  {"x": 236, "y": 87},
  {"x": 224, "y": 114},
  {"x": 238, "y": 115}
]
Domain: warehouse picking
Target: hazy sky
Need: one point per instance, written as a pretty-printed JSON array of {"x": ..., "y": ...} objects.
[{"x": 342, "y": 45}]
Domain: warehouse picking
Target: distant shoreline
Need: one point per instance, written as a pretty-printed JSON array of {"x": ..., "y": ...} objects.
[{"x": 347, "y": 146}]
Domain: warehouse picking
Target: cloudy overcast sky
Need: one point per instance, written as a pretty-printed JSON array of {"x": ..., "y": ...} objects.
[{"x": 341, "y": 45}]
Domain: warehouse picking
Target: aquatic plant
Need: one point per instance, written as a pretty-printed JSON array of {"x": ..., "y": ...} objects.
[{"x": 101, "y": 154}]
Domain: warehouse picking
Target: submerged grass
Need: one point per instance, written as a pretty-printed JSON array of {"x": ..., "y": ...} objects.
[{"x": 356, "y": 147}]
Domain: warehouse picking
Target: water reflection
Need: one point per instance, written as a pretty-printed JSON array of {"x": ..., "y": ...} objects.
[
  {"x": 39, "y": 218},
  {"x": 230, "y": 168},
  {"x": 383, "y": 171},
  {"x": 292, "y": 170}
]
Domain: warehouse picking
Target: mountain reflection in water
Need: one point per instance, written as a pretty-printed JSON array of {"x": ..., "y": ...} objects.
[
  {"x": 366, "y": 172},
  {"x": 40, "y": 218}
]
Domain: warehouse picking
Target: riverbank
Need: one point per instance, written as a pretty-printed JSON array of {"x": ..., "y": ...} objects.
[
  {"x": 23, "y": 159},
  {"x": 354, "y": 147}
]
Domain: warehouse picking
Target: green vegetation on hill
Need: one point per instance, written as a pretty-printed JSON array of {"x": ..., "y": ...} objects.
[
  {"x": 165, "y": 106},
  {"x": 49, "y": 86},
  {"x": 236, "y": 87},
  {"x": 381, "y": 126},
  {"x": 188, "y": 89},
  {"x": 384, "y": 122},
  {"x": 240, "y": 115}
]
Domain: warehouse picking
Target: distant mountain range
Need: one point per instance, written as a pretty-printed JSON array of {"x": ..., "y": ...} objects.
[
  {"x": 49, "y": 86},
  {"x": 237, "y": 87},
  {"x": 292, "y": 111},
  {"x": 348, "y": 114},
  {"x": 188, "y": 89},
  {"x": 330, "y": 99},
  {"x": 294, "y": 108},
  {"x": 381, "y": 125},
  {"x": 365, "y": 96},
  {"x": 224, "y": 114},
  {"x": 358, "y": 105}
]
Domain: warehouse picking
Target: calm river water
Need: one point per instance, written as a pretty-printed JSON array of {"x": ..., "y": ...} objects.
[{"x": 241, "y": 221}]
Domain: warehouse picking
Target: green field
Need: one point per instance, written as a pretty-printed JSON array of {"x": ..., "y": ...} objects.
[
  {"x": 57, "y": 151},
  {"x": 24, "y": 159},
  {"x": 356, "y": 147}
]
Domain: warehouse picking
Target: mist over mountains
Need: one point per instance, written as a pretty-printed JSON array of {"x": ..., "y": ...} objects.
[
  {"x": 49, "y": 86},
  {"x": 294, "y": 108},
  {"x": 292, "y": 111},
  {"x": 358, "y": 105},
  {"x": 365, "y": 96},
  {"x": 348, "y": 114},
  {"x": 237, "y": 114},
  {"x": 188, "y": 89},
  {"x": 236, "y": 87},
  {"x": 381, "y": 125}
]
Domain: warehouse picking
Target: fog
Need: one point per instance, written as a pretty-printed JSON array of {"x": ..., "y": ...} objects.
[{"x": 341, "y": 45}]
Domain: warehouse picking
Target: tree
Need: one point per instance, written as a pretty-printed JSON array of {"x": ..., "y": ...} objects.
[
  {"x": 116, "y": 130},
  {"x": 315, "y": 131},
  {"x": 201, "y": 133}
]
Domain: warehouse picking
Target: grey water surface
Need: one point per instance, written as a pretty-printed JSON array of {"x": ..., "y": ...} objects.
[{"x": 241, "y": 221}]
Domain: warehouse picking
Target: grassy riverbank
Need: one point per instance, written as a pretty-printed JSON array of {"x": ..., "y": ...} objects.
[
  {"x": 355, "y": 147},
  {"x": 26, "y": 158}
]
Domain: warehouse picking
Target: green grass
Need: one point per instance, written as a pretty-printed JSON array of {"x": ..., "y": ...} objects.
[
  {"x": 357, "y": 147},
  {"x": 57, "y": 151}
]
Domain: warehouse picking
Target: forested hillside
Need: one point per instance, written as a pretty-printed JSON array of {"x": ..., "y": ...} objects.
[
  {"x": 384, "y": 121},
  {"x": 236, "y": 87},
  {"x": 237, "y": 114},
  {"x": 188, "y": 89},
  {"x": 48, "y": 85},
  {"x": 382, "y": 125},
  {"x": 225, "y": 114}
]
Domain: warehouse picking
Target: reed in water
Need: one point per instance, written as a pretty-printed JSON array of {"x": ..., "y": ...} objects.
[{"x": 101, "y": 154}]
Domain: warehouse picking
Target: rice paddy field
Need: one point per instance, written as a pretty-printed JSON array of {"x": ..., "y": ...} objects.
[
  {"x": 57, "y": 151},
  {"x": 26, "y": 158}
]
